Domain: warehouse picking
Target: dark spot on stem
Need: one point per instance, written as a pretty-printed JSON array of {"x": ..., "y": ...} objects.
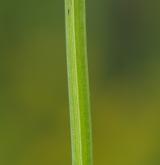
[{"x": 68, "y": 11}]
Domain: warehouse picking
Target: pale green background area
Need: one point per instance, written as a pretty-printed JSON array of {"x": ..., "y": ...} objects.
[{"x": 124, "y": 77}]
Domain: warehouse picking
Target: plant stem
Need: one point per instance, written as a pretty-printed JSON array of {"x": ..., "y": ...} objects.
[{"x": 80, "y": 120}]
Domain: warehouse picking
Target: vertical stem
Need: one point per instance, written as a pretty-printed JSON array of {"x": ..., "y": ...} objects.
[{"x": 80, "y": 120}]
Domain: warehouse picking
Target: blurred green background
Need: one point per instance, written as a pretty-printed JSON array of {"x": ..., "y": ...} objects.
[{"x": 123, "y": 52}]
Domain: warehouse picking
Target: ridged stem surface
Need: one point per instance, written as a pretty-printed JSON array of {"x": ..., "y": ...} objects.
[{"x": 77, "y": 68}]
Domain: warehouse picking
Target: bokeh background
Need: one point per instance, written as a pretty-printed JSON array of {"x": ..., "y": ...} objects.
[{"x": 124, "y": 68}]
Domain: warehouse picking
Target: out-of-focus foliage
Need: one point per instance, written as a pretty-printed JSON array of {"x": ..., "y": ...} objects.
[
  {"x": 33, "y": 104},
  {"x": 126, "y": 101}
]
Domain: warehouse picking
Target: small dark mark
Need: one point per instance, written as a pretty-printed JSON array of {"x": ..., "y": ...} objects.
[{"x": 68, "y": 11}]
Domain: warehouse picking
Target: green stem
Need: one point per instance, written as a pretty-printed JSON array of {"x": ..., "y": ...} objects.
[{"x": 80, "y": 120}]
